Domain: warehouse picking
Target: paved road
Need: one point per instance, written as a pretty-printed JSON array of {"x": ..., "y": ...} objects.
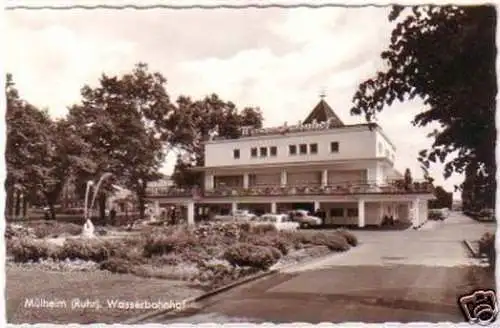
[{"x": 399, "y": 276}]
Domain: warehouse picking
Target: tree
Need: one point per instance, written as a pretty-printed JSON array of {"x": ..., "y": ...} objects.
[
  {"x": 443, "y": 198},
  {"x": 130, "y": 123},
  {"x": 477, "y": 191},
  {"x": 40, "y": 152},
  {"x": 205, "y": 116},
  {"x": 446, "y": 56},
  {"x": 250, "y": 116},
  {"x": 183, "y": 176},
  {"x": 14, "y": 155}
]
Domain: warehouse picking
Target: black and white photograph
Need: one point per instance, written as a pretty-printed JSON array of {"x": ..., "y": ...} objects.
[{"x": 249, "y": 162}]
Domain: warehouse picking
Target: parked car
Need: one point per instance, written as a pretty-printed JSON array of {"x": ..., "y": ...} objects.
[
  {"x": 304, "y": 219},
  {"x": 280, "y": 221},
  {"x": 436, "y": 215},
  {"x": 239, "y": 215}
]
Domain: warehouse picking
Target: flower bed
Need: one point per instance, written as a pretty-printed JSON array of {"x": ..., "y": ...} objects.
[{"x": 209, "y": 254}]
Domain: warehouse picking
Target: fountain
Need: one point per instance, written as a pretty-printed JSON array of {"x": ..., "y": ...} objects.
[{"x": 88, "y": 226}]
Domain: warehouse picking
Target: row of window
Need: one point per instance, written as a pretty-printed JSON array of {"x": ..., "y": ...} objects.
[
  {"x": 254, "y": 152},
  {"x": 302, "y": 149},
  {"x": 272, "y": 151}
]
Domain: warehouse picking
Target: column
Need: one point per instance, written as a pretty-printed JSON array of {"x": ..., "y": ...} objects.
[
  {"x": 273, "y": 208},
  {"x": 245, "y": 180},
  {"x": 283, "y": 178},
  {"x": 416, "y": 212},
  {"x": 190, "y": 213},
  {"x": 157, "y": 208},
  {"x": 324, "y": 178},
  {"x": 361, "y": 213},
  {"x": 234, "y": 207},
  {"x": 316, "y": 206},
  {"x": 209, "y": 181}
]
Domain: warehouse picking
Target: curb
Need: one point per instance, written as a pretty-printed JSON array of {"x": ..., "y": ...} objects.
[
  {"x": 468, "y": 245},
  {"x": 219, "y": 290},
  {"x": 202, "y": 296}
]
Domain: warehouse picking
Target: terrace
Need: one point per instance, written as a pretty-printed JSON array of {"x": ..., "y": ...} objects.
[{"x": 393, "y": 187}]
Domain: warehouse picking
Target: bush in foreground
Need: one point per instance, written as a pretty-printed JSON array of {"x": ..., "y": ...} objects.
[
  {"x": 29, "y": 249},
  {"x": 117, "y": 265},
  {"x": 279, "y": 242},
  {"x": 334, "y": 241},
  {"x": 248, "y": 255},
  {"x": 91, "y": 249},
  {"x": 349, "y": 236},
  {"x": 164, "y": 243}
]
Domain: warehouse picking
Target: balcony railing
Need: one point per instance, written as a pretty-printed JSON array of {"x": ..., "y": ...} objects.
[{"x": 394, "y": 187}]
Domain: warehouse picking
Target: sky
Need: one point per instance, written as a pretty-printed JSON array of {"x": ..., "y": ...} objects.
[{"x": 280, "y": 60}]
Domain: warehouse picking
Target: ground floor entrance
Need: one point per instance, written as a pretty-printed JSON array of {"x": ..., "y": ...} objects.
[{"x": 356, "y": 210}]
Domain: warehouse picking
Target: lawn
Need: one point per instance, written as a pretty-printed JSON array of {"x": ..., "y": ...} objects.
[
  {"x": 100, "y": 285},
  {"x": 153, "y": 263}
]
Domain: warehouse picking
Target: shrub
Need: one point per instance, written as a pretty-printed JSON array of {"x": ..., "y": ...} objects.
[
  {"x": 117, "y": 265},
  {"x": 349, "y": 236},
  {"x": 19, "y": 231},
  {"x": 295, "y": 238},
  {"x": 91, "y": 249},
  {"x": 334, "y": 241},
  {"x": 28, "y": 249},
  {"x": 244, "y": 254},
  {"x": 487, "y": 247},
  {"x": 158, "y": 244},
  {"x": 276, "y": 241}
]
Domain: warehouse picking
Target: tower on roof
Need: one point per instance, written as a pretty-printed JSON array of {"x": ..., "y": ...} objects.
[{"x": 323, "y": 113}]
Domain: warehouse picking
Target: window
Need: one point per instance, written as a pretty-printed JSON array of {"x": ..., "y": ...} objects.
[
  {"x": 253, "y": 152},
  {"x": 263, "y": 151},
  {"x": 337, "y": 212},
  {"x": 352, "y": 212},
  {"x": 236, "y": 153},
  {"x": 334, "y": 147},
  {"x": 292, "y": 149},
  {"x": 303, "y": 149},
  {"x": 313, "y": 148},
  {"x": 273, "y": 150}
]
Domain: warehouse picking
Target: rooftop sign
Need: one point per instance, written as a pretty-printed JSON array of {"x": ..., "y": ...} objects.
[{"x": 248, "y": 131}]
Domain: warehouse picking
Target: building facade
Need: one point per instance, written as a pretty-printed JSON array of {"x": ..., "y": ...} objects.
[{"x": 347, "y": 171}]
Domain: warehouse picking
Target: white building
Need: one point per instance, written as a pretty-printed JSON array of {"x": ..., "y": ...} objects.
[{"x": 346, "y": 170}]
